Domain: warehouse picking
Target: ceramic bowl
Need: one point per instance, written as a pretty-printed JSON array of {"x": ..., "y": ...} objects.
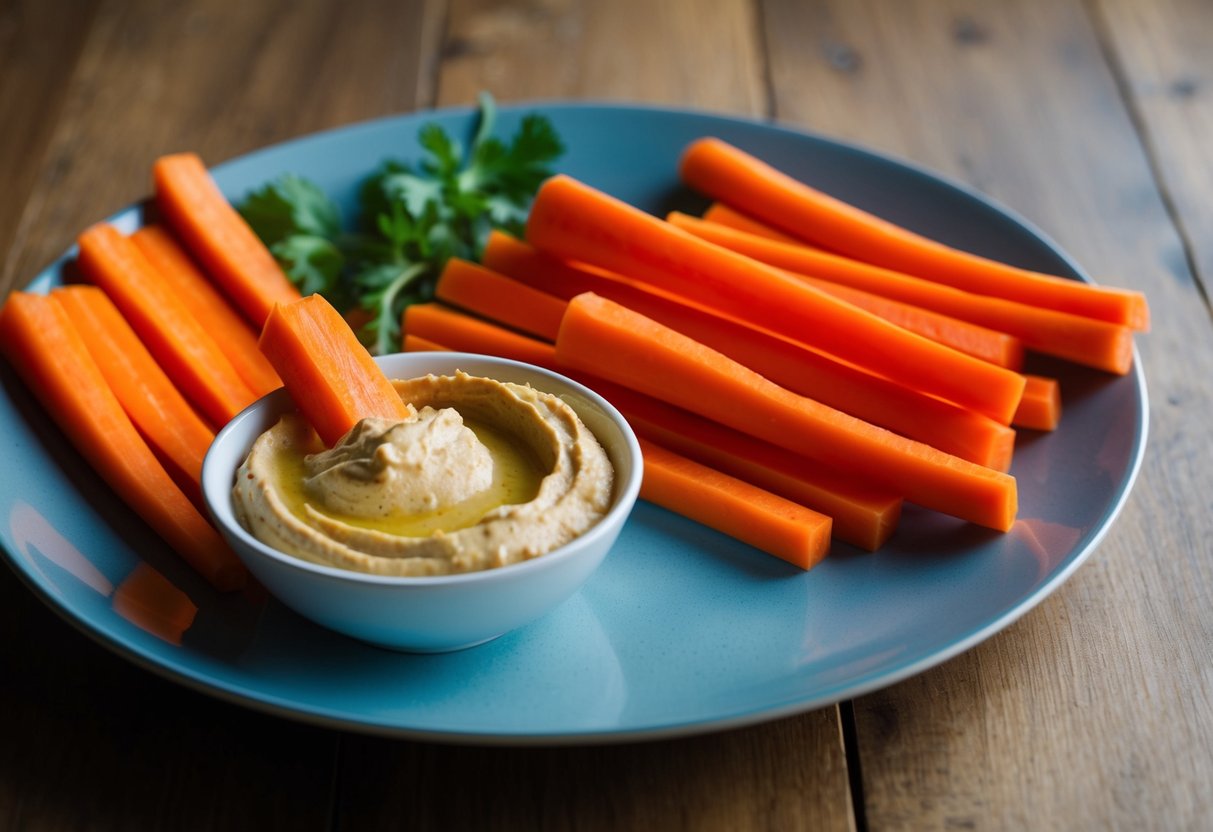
[{"x": 438, "y": 613}]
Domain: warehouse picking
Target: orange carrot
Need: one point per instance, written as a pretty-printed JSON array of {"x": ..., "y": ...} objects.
[
  {"x": 153, "y": 404},
  {"x": 235, "y": 337},
  {"x": 49, "y": 354},
  {"x": 573, "y": 221},
  {"x": 185, "y": 350},
  {"x": 880, "y": 401},
  {"x": 415, "y": 343},
  {"x": 330, "y": 375},
  {"x": 978, "y": 341},
  {"x": 989, "y": 345},
  {"x": 722, "y": 214},
  {"x": 1040, "y": 408},
  {"x": 153, "y": 603},
  {"x": 517, "y": 259},
  {"x": 214, "y": 232},
  {"x": 750, "y": 185},
  {"x": 507, "y": 255},
  {"x": 863, "y": 515},
  {"x": 603, "y": 338},
  {"x": 491, "y": 295},
  {"x": 766, "y": 521},
  {"x": 467, "y": 334},
  {"x": 1092, "y": 343}
]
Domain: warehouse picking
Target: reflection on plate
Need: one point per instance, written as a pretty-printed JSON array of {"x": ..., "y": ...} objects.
[{"x": 682, "y": 630}]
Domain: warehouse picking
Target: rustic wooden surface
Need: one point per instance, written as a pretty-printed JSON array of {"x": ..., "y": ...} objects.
[{"x": 1090, "y": 118}]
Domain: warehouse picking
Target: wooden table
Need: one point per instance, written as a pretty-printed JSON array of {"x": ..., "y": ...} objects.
[{"x": 1092, "y": 119}]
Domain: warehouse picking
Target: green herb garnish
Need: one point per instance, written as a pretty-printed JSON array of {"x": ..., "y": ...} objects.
[{"x": 413, "y": 218}]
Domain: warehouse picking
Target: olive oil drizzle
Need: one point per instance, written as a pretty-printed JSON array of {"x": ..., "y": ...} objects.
[{"x": 516, "y": 479}]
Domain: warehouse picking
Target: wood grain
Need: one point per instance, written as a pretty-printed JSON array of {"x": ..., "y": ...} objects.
[
  {"x": 770, "y": 777},
  {"x": 1162, "y": 56},
  {"x": 218, "y": 78},
  {"x": 39, "y": 48},
  {"x": 1083, "y": 712},
  {"x": 677, "y": 52},
  {"x": 93, "y": 741}
]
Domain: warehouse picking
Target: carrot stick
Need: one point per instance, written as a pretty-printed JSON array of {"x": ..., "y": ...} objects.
[
  {"x": 729, "y": 174},
  {"x": 48, "y": 353},
  {"x": 415, "y": 343},
  {"x": 573, "y": 221},
  {"x": 1040, "y": 408},
  {"x": 235, "y": 337},
  {"x": 722, "y": 214},
  {"x": 981, "y": 342},
  {"x": 517, "y": 259},
  {"x": 329, "y": 374},
  {"x": 603, "y": 338},
  {"x": 214, "y": 232},
  {"x": 487, "y": 293},
  {"x": 151, "y": 602},
  {"x": 459, "y": 331},
  {"x": 764, "y": 520},
  {"x": 1092, "y": 343},
  {"x": 978, "y": 341},
  {"x": 157, "y": 409},
  {"x": 467, "y": 334},
  {"x": 863, "y": 515},
  {"x": 564, "y": 278},
  {"x": 181, "y": 345},
  {"x": 882, "y": 402}
]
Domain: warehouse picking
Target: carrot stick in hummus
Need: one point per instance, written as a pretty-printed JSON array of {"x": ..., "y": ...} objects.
[{"x": 332, "y": 378}]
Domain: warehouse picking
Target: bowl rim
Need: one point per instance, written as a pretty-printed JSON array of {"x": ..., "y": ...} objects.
[{"x": 622, "y": 501}]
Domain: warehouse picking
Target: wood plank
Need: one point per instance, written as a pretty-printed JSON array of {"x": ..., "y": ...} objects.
[
  {"x": 789, "y": 775},
  {"x": 39, "y": 47},
  {"x": 1161, "y": 51},
  {"x": 1085, "y": 711},
  {"x": 90, "y": 740},
  {"x": 769, "y": 777},
  {"x": 218, "y": 78},
  {"x": 661, "y": 53}
]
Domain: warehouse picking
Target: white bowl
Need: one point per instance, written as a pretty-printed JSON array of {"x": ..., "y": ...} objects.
[{"x": 439, "y": 613}]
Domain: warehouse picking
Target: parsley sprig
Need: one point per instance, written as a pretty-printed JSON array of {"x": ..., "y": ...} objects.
[{"x": 413, "y": 217}]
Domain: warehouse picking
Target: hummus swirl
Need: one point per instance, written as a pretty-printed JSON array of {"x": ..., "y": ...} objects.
[
  {"x": 436, "y": 493},
  {"x": 380, "y": 468}
]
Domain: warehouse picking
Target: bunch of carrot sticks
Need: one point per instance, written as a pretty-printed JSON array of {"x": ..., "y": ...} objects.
[
  {"x": 794, "y": 367},
  {"x": 786, "y": 355},
  {"x": 142, "y": 363}
]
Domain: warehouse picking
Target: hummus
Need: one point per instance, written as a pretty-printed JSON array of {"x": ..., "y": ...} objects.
[{"x": 481, "y": 474}]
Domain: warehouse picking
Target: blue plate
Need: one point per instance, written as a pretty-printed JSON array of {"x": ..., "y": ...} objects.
[{"x": 682, "y": 630}]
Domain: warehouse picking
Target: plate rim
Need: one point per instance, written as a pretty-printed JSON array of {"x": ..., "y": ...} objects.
[{"x": 327, "y": 717}]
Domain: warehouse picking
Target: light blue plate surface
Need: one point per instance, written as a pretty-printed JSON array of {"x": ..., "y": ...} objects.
[{"x": 682, "y": 630}]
